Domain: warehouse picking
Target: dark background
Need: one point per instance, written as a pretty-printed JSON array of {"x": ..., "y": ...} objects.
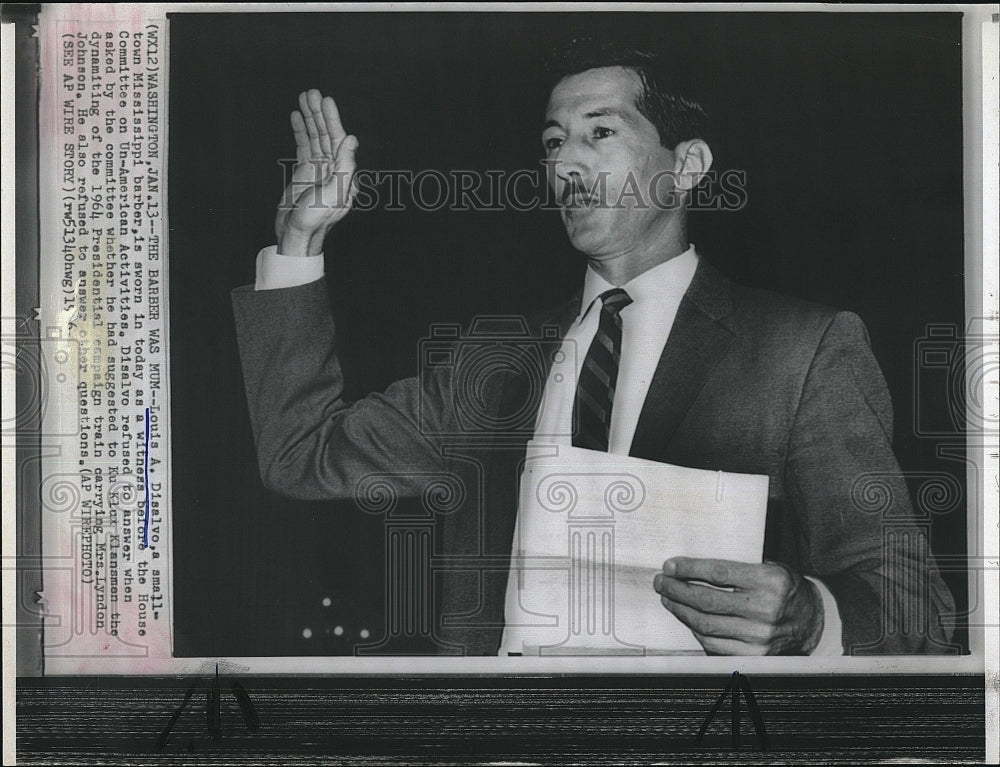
[{"x": 848, "y": 127}]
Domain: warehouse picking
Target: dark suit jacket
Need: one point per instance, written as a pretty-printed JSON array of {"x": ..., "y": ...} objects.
[{"x": 749, "y": 381}]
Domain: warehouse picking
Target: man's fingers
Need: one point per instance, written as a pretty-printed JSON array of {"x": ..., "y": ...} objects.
[
  {"x": 720, "y": 626},
  {"x": 317, "y": 128},
  {"x": 301, "y": 136},
  {"x": 319, "y": 117},
  {"x": 316, "y": 151},
  {"x": 702, "y": 598},
  {"x": 331, "y": 116},
  {"x": 338, "y": 185},
  {"x": 346, "y": 152},
  {"x": 720, "y": 572}
]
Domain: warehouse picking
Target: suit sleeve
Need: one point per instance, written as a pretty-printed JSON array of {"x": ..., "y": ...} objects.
[
  {"x": 859, "y": 534},
  {"x": 311, "y": 443}
]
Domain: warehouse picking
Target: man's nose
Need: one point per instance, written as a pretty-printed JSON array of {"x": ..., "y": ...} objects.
[
  {"x": 572, "y": 159},
  {"x": 567, "y": 176}
]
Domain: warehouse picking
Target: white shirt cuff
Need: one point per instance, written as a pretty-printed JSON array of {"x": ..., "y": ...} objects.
[
  {"x": 277, "y": 271},
  {"x": 830, "y": 642}
]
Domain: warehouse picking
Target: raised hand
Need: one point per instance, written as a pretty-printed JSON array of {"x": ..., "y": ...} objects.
[
  {"x": 322, "y": 188},
  {"x": 770, "y": 610}
]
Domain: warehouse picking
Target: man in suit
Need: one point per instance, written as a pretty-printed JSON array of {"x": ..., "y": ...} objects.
[{"x": 695, "y": 371}]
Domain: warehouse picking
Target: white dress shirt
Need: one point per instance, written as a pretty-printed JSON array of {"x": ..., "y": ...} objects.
[
  {"x": 277, "y": 271},
  {"x": 646, "y": 324}
]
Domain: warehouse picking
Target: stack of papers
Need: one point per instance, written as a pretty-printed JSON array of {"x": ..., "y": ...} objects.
[{"x": 595, "y": 528}]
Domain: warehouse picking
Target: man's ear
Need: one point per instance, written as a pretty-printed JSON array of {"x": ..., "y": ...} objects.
[{"x": 693, "y": 158}]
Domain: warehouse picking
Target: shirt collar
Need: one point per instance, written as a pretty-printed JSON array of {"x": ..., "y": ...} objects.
[{"x": 659, "y": 283}]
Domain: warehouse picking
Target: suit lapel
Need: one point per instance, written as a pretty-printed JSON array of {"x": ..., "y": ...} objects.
[{"x": 698, "y": 340}]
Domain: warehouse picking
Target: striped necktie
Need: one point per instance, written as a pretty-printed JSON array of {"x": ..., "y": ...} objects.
[{"x": 595, "y": 389}]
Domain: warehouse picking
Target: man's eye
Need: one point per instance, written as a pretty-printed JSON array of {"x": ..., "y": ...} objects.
[
  {"x": 552, "y": 143},
  {"x": 603, "y": 132}
]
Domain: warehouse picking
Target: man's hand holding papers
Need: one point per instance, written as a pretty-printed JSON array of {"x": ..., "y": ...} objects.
[
  {"x": 764, "y": 609},
  {"x": 593, "y": 530}
]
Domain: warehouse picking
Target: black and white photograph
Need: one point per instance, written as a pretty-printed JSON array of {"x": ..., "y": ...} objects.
[
  {"x": 597, "y": 347},
  {"x": 474, "y": 184}
]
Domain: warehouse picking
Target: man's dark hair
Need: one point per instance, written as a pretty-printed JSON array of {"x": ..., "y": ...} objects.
[{"x": 676, "y": 117}]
